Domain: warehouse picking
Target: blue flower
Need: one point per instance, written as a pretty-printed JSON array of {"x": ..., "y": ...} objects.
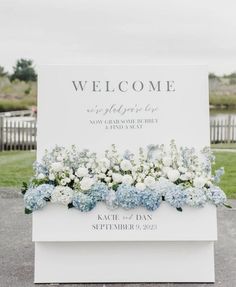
[
  {"x": 127, "y": 196},
  {"x": 98, "y": 191},
  {"x": 150, "y": 199},
  {"x": 35, "y": 197},
  {"x": 111, "y": 200},
  {"x": 216, "y": 195},
  {"x": 195, "y": 197},
  {"x": 163, "y": 185},
  {"x": 175, "y": 196},
  {"x": 83, "y": 202}
]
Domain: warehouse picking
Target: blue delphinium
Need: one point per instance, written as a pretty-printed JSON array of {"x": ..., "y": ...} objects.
[
  {"x": 83, "y": 202},
  {"x": 195, "y": 197},
  {"x": 176, "y": 196},
  {"x": 216, "y": 195},
  {"x": 218, "y": 173},
  {"x": 127, "y": 196},
  {"x": 40, "y": 168},
  {"x": 98, "y": 191},
  {"x": 150, "y": 199},
  {"x": 35, "y": 197}
]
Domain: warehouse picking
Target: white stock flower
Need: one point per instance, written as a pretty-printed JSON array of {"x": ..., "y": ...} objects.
[
  {"x": 125, "y": 165},
  {"x": 199, "y": 182},
  {"x": 173, "y": 174},
  {"x": 104, "y": 163},
  {"x": 127, "y": 179},
  {"x": 81, "y": 172},
  {"x": 167, "y": 161},
  {"x": 57, "y": 166},
  {"x": 149, "y": 181},
  {"x": 140, "y": 186},
  {"x": 117, "y": 177},
  {"x": 62, "y": 194},
  {"x": 86, "y": 183}
]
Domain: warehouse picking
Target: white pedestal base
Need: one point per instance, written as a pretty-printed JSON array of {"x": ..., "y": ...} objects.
[{"x": 186, "y": 261}]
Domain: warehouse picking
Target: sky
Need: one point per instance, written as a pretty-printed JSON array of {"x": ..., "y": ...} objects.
[{"x": 119, "y": 32}]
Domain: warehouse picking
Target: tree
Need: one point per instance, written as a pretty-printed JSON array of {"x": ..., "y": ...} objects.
[
  {"x": 3, "y": 73},
  {"x": 24, "y": 71}
]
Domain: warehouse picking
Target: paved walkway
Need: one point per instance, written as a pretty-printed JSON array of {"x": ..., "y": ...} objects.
[{"x": 16, "y": 248}]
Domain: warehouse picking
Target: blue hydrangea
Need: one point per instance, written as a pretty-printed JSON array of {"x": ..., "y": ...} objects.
[
  {"x": 150, "y": 199},
  {"x": 216, "y": 195},
  {"x": 127, "y": 196},
  {"x": 195, "y": 197},
  {"x": 98, "y": 191},
  {"x": 111, "y": 200},
  {"x": 34, "y": 197},
  {"x": 163, "y": 185},
  {"x": 176, "y": 196},
  {"x": 83, "y": 202}
]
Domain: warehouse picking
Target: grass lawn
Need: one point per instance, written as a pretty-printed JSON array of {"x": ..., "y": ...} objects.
[{"x": 16, "y": 167}]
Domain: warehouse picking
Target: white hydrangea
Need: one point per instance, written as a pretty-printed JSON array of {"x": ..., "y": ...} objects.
[
  {"x": 81, "y": 172},
  {"x": 149, "y": 181},
  {"x": 117, "y": 177},
  {"x": 62, "y": 194},
  {"x": 127, "y": 179},
  {"x": 173, "y": 174},
  {"x": 199, "y": 182},
  {"x": 125, "y": 165},
  {"x": 86, "y": 183}
]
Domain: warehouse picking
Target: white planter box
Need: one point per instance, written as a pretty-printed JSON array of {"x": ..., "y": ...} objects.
[{"x": 179, "y": 248}]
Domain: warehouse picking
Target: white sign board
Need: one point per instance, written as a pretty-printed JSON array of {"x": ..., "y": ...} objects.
[
  {"x": 93, "y": 107},
  {"x": 131, "y": 106}
]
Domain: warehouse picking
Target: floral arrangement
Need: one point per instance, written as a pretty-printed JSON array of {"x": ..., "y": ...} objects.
[{"x": 80, "y": 179}]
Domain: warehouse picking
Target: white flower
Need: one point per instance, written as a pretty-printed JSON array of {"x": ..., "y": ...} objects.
[
  {"x": 72, "y": 176},
  {"x": 140, "y": 186},
  {"x": 81, "y": 172},
  {"x": 104, "y": 163},
  {"x": 167, "y": 161},
  {"x": 86, "y": 183},
  {"x": 117, "y": 177},
  {"x": 107, "y": 179},
  {"x": 41, "y": 176},
  {"x": 51, "y": 176},
  {"x": 149, "y": 181},
  {"x": 125, "y": 165},
  {"x": 57, "y": 166},
  {"x": 76, "y": 180},
  {"x": 182, "y": 169},
  {"x": 127, "y": 179},
  {"x": 63, "y": 181},
  {"x": 173, "y": 174},
  {"x": 199, "y": 182},
  {"x": 62, "y": 194}
]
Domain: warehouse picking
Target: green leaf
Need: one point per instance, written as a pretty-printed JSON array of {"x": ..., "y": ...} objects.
[
  {"x": 28, "y": 211},
  {"x": 70, "y": 205},
  {"x": 227, "y": 205},
  {"x": 24, "y": 187},
  {"x": 179, "y": 209}
]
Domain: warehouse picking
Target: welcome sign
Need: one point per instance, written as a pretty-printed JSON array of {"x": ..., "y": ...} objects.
[
  {"x": 94, "y": 107},
  {"x": 130, "y": 106}
]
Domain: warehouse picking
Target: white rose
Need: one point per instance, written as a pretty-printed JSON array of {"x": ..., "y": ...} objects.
[
  {"x": 51, "y": 176},
  {"x": 86, "y": 183},
  {"x": 41, "y": 176},
  {"x": 149, "y": 181},
  {"x": 182, "y": 169},
  {"x": 81, "y": 172},
  {"x": 140, "y": 186},
  {"x": 125, "y": 165},
  {"x": 167, "y": 161},
  {"x": 189, "y": 175},
  {"x": 127, "y": 179},
  {"x": 173, "y": 174},
  {"x": 57, "y": 166},
  {"x": 117, "y": 177},
  {"x": 199, "y": 182}
]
